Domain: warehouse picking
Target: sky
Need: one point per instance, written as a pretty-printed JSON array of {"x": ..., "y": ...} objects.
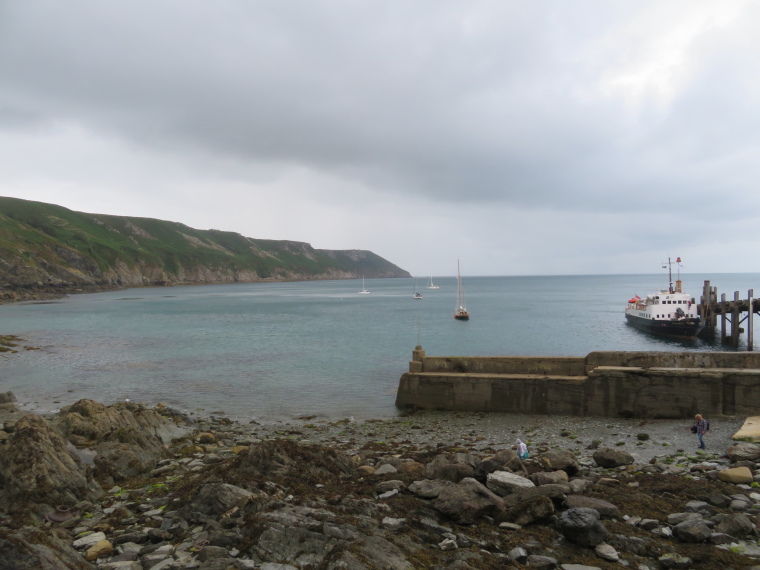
[{"x": 521, "y": 138}]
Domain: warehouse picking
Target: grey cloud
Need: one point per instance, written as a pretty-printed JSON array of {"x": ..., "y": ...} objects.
[{"x": 499, "y": 103}]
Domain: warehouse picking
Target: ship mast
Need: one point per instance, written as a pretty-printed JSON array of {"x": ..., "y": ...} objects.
[{"x": 670, "y": 276}]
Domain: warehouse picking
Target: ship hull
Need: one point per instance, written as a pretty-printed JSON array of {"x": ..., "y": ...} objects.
[{"x": 683, "y": 328}]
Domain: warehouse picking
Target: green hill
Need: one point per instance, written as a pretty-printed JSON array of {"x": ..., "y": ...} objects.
[{"x": 48, "y": 248}]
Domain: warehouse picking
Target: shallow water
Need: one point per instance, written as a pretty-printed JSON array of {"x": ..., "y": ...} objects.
[{"x": 272, "y": 350}]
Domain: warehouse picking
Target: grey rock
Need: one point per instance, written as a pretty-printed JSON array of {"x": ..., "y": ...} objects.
[
  {"x": 518, "y": 554},
  {"x": 557, "y": 493},
  {"x": 701, "y": 507},
  {"x": 606, "y": 552},
  {"x": 737, "y": 525},
  {"x": 677, "y": 518},
  {"x": 604, "y": 508},
  {"x": 468, "y": 501},
  {"x": 88, "y": 540},
  {"x": 693, "y": 530},
  {"x": 719, "y": 500},
  {"x": 297, "y": 545},
  {"x": 674, "y": 560},
  {"x": 582, "y": 526},
  {"x": 429, "y": 488},
  {"x": 504, "y": 483},
  {"x": 531, "y": 511},
  {"x": 121, "y": 565},
  {"x": 386, "y": 469},
  {"x": 580, "y": 485},
  {"x": 38, "y": 469},
  {"x": 211, "y": 553},
  {"x": 560, "y": 459},
  {"x": 720, "y": 538},
  {"x": 216, "y": 499},
  {"x": 454, "y": 472},
  {"x": 743, "y": 451},
  {"x": 393, "y": 524},
  {"x": 388, "y": 494},
  {"x": 394, "y": 484},
  {"x": 539, "y": 562},
  {"x": 29, "y": 549},
  {"x": 608, "y": 457},
  {"x": 549, "y": 478}
]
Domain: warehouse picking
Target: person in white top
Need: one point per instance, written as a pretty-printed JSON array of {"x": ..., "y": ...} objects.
[{"x": 522, "y": 450}]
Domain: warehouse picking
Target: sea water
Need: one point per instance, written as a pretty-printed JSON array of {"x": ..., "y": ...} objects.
[{"x": 283, "y": 350}]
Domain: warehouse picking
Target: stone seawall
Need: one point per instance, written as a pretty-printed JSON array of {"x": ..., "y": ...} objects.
[{"x": 615, "y": 384}]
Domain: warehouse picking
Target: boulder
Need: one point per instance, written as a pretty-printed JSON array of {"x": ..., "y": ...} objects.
[
  {"x": 604, "y": 508},
  {"x": 429, "y": 488},
  {"x": 557, "y": 493},
  {"x": 285, "y": 458},
  {"x": 504, "y": 483},
  {"x": 549, "y": 478},
  {"x": 736, "y": 475},
  {"x": 560, "y": 459},
  {"x": 608, "y": 457},
  {"x": 736, "y": 525},
  {"x": 743, "y": 451},
  {"x": 34, "y": 548},
  {"x": 7, "y": 397},
  {"x": 530, "y": 511},
  {"x": 412, "y": 468},
  {"x": 39, "y": 471},
  {"x": 582, "y": 526},
  {"x": 452, "y": 468},
  {"x": 453, "y": 472},
  {"x": 502, "y": 460},
  {"x": 216, "y": 499},
  {"x": 467, "y": 502},
  {"x": 128, "y": 438},
  {"x": 692, "y": 530}
]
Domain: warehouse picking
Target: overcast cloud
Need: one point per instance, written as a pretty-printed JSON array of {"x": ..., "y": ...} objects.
[{"x": 547, "y": 137}]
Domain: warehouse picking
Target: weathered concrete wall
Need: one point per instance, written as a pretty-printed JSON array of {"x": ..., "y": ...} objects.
[
  {"x": 628, "y": 384},
  {"x": 674, "y": 359},
  {"x": 550, "y": 365}
]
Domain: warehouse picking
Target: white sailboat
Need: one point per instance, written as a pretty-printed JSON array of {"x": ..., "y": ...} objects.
[
  {"x": 461, "y": 312},
  {"x": 417, "y": 294},
  {"x": 364, "y": 289},
  {"x": 430, "y": 284}
]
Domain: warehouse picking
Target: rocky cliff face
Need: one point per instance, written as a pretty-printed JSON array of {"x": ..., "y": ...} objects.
[{"x": 46, "y": 249}]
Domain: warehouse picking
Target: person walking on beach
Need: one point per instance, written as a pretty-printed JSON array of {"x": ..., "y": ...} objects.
[{"x": 701, "y": 429}]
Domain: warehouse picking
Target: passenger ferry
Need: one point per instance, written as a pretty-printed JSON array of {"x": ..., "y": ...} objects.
[{"x": 668, "y": 312}]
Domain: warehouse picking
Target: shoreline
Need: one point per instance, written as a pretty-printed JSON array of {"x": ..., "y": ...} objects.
[
  {"x": 423, "y": 491},
  {"x": 644, "y": 439}
]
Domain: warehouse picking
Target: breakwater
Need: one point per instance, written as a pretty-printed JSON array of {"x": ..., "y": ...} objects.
[{"x": 604, "y": 383}]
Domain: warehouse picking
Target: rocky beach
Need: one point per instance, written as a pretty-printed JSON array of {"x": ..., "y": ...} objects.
[{"x": 134, "y": 487}]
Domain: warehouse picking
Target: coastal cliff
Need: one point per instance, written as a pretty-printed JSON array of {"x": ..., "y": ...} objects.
[{"x": 48, "y": 249}]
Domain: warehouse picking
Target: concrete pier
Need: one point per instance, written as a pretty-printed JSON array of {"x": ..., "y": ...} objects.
[{"x": 614, "y": 384}]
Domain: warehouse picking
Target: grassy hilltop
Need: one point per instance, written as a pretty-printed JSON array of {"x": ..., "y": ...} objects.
[{"x": 48, "y": 247}]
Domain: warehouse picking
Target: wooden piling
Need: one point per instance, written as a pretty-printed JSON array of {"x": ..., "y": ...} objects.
[
  {"x": 731, "y": 315},
  {"x": 750, "y": 314}
]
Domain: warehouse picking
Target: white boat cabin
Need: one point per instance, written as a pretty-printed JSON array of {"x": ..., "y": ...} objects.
[{"x": 664, "y": 305}]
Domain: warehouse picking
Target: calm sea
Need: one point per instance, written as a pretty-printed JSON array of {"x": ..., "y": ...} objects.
[{"x": 281, "y": 350}]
